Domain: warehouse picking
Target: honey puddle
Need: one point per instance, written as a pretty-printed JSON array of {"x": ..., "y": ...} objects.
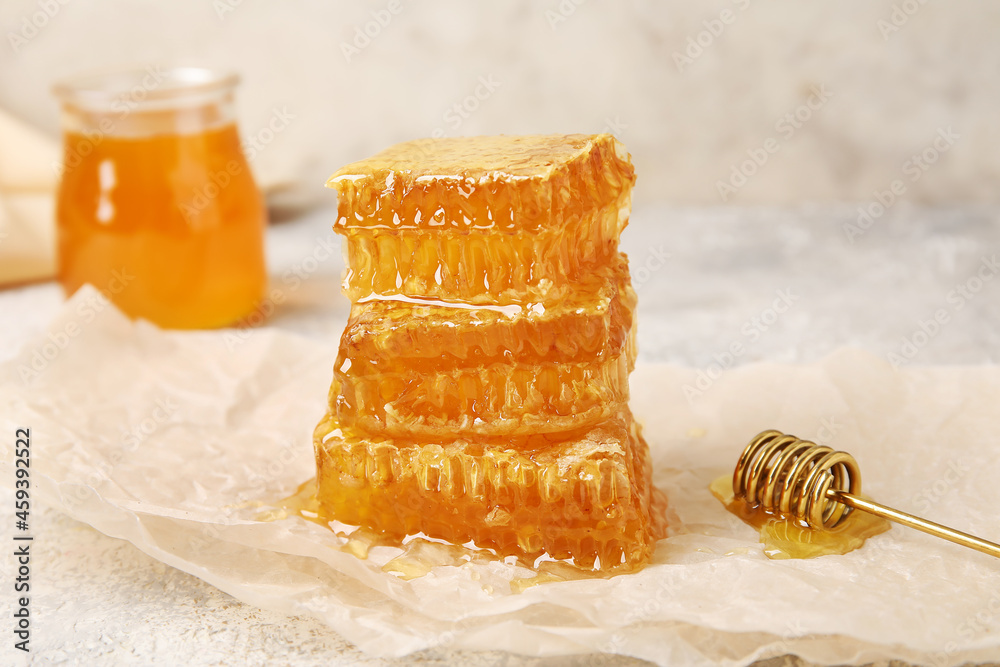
[
  {"x": 786, "y": 538},
  {"x": 421, "y": 554}
]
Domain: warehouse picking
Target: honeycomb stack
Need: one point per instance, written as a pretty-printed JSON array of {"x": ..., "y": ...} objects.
[{"x": 481, "y": 387}]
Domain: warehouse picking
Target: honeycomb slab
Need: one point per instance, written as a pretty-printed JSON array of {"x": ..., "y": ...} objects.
[
  {"x": 585, "y": 497},
  {"x": 481, "y": 387},
  {"x": 484, "y": 220}
]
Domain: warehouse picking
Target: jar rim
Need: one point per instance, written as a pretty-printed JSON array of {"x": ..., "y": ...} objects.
[{"x": 154, "y": 84}]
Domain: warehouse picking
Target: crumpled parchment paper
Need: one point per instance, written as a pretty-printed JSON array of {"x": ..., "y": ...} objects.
[{"x": 176, "y": 441}]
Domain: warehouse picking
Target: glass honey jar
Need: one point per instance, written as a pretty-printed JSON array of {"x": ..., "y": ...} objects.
[{"x": 157, "y": 207}]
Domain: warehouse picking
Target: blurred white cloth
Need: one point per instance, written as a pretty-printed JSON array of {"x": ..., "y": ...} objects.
[{"x": 28, "y": 179}]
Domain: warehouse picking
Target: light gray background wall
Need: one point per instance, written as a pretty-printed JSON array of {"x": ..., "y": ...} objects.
[{"x": 894, "y": 73}]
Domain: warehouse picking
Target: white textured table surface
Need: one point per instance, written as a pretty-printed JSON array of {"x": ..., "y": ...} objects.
[{"x": 706, "y": 279}]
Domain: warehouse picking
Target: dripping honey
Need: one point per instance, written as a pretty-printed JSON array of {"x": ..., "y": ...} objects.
[{"x": 787, "y": 538}]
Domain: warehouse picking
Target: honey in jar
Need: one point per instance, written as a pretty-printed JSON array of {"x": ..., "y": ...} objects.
[{"x": 157, "y": 207}]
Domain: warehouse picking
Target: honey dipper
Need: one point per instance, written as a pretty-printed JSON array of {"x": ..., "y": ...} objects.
[{"x": 813, "y": 483}]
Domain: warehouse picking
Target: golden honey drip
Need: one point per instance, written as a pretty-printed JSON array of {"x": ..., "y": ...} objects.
[
  {"x": 785, "y": 537},
  {"x": 481, "y": 388}
]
